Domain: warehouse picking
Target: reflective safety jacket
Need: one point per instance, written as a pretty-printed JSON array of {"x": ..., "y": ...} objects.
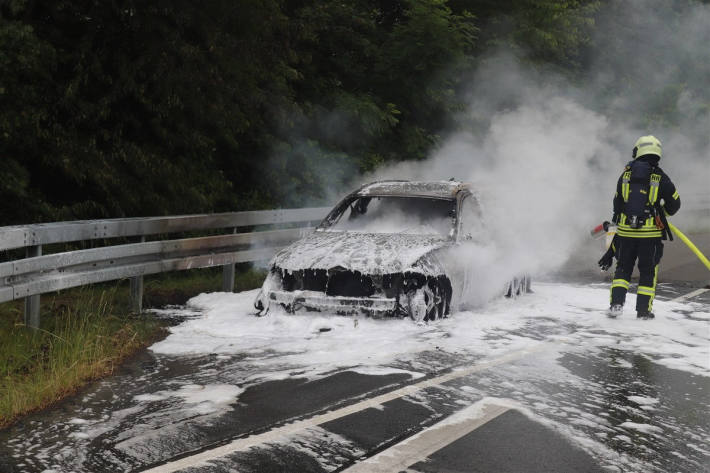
[{"x": 662, "y": 195}]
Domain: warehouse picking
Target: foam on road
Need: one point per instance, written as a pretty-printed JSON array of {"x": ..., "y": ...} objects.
[
  {"x": 607, "y": 385},
  {"x": 321, "y": 343}
]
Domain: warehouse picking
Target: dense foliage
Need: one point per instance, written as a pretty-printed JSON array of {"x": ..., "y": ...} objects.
[{"x": 129, "y": 108}]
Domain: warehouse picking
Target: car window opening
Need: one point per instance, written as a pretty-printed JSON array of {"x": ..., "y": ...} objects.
[{"x": 388, "y": 214}]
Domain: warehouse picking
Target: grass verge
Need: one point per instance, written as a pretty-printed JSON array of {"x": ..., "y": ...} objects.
[
  {"x": 77, "y": 342},
  {"x": 85, "y": 334}
]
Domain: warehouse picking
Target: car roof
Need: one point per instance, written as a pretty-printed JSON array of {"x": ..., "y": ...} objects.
[{"x": 402, "y": 188}]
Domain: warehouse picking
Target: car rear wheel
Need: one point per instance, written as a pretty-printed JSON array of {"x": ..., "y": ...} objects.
[{"x": 518, "y": 286}]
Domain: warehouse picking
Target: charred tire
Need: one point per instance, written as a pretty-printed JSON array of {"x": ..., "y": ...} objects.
[
  {"x": 518, "y": 286},
  {"x": 417, "y": 305},
  {"x": 513, "y": 289},
  {"x": 440, "y": 308},
  {"x": 428, "y": 303},
  {"x": 509, "y": 288}
]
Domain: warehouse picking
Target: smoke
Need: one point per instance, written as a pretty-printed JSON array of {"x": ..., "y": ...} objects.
[
  {"x": 536, "y": 164},
  {"x": 546, "y": 151}
]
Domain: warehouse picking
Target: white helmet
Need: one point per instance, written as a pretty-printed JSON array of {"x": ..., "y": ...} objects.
[{"x": 648, "y": 144}]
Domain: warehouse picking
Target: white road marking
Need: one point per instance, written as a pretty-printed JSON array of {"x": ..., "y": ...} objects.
[
  {"x": 418, "y": 447},
  {"x": 242, "y": 444},
  {"x": 684, "y": 297}
]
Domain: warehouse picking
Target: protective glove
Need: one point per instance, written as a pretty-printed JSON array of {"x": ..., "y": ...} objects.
[{"x": 607, "y": 260}]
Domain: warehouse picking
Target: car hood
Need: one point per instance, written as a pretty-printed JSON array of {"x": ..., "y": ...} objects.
[{"x": 368, "y": 253}]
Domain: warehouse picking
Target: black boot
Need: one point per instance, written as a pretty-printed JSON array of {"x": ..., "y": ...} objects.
[
  {"x": 615, "y": 310},
  {"x": 644, "y": 314}
]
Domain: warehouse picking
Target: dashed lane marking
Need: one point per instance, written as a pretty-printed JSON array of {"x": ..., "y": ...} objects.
[
  {"x": 690, "y": 295},
  {"x": 420, "y": 446},
  {"x": 242, "y": 444}
]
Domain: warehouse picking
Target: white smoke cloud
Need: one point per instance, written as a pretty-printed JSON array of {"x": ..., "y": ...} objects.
[
  {"x": 547, "y": 152},
  {"x": 535, "y": 166}
]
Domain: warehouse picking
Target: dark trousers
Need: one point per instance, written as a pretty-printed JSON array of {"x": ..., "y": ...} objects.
[{"x": 648, "y": 251}]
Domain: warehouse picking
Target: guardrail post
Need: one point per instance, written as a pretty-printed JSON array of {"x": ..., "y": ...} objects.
[
  {"x": 137, "y": 291},
  {"x": 32, "y": 302},
  {"x": 228, "y": 275}
]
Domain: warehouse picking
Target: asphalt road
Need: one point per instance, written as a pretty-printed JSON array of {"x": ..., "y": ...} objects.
[{"x": 547, "y": 407}]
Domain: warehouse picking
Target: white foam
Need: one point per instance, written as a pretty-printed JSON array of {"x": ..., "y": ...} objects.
[
  {"x": 643, "y": 401},
  {"x": 78, "y": 421},
  {"x": 382, "y": 371},
  {"x": 645, "y": 428},
  {"x": 228, "y": 326},
  {"x": 201, "y": 399}
]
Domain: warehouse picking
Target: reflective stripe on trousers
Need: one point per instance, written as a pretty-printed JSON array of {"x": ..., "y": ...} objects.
[{"x": 648, "y": 252}]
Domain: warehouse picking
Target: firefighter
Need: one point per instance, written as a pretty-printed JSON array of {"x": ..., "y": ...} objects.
[{"x": 644, "y": 196}]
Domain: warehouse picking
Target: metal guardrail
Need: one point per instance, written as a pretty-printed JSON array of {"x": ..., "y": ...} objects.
[{"x": 37, "y": 274}]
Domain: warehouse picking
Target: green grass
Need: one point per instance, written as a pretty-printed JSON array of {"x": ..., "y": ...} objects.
[
  {"x": 85, "y": 333},
  {"x": 77, "y": 342}
]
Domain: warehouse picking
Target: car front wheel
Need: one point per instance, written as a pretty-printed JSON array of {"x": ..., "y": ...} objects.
[{"x": 427, "y": 303}]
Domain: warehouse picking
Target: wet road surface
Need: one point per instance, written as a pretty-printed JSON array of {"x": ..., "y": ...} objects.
[{"x": 571, "y": 398}]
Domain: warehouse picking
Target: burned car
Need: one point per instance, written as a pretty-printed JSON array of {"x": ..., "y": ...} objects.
[{"x": 387, "y": 249}]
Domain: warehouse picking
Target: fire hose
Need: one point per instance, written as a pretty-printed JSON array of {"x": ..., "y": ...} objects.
[{"x": 690, "y": 245}]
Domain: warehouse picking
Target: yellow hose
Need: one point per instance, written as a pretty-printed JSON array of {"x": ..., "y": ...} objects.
[{"x": 690, "y": 245}]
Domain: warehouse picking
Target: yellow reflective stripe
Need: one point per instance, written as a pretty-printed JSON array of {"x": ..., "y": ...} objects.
[
  {"x": 644, "y": 229},
  {"x": 620, "y": 283},
  {"x": 625, "y": 185},
  {"x": 655, "y": 279},
  {"x": 646, "y": 291},
  {"x": 656, "y": 234},
  {"x": 653, "y": 189},
  {"x": 639, "y": 234},
  {"x": 675, "y": 195},
  {"x": 649, "y": 230}
]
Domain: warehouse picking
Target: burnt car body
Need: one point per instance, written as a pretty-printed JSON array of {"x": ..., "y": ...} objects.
[{"x": 387, "y": 249}]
